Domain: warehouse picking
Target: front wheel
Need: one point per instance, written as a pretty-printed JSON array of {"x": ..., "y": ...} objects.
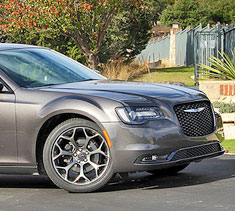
[{"x": 77, "y": 157}]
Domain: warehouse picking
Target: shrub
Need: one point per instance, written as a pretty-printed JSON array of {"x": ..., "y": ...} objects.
[
  {"x": 225, "y": 107},
  {"x": 117, "y": 69},
  {"x": 221, "y": 68}
]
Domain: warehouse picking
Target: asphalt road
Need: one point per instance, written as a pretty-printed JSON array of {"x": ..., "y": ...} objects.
[{"x": 209, "y": 185}]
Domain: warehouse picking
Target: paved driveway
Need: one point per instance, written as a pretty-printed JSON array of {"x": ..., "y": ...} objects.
[{"x": 209, "y": 185}]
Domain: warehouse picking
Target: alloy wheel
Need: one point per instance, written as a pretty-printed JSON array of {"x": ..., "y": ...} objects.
[{"x": 80, "y": 155}]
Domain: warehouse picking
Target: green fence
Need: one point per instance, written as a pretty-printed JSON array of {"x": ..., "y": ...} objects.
[
  {"x": 229, "y": 41},
  {"x": 192, "y": 46},
  {"x": 155, "y": 51},
  {"x": 209, "y": 41}
]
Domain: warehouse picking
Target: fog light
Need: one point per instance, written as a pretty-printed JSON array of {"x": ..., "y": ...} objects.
[
  {"x": 154, "y": 157},
  {"x": 149, "y": 158}
]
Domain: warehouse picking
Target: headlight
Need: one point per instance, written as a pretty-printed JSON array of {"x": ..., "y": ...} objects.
[{"x": 139, "y": 115}]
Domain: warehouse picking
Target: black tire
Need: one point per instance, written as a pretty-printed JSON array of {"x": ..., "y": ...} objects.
[
  {"x": 61, "y": 177},
  {"x": 169, "y": 171}
]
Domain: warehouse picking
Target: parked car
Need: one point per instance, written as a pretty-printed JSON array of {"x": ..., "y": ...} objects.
[{"x": 62, "y": 119}]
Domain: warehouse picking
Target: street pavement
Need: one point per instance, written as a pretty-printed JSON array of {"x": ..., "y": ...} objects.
[{"x": 208, "y": 185}]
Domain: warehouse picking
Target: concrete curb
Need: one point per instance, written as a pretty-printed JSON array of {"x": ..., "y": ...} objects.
[{"x": 229, "y": 153}]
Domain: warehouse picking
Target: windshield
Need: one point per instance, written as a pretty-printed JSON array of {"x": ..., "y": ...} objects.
[{"x": 34, "y": 67}]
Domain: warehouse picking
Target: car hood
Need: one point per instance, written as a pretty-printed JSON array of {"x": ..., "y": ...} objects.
[{"x": 129, "y": 91}]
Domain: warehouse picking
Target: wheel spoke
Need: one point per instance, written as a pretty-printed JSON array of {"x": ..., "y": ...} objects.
[
  {"x": 63, "y": 152},
  {"x": 81, "y": 174},
  {"x": 84, "y": 131},
  {"x": 99, "y": 151},
  {"x": 71, "y": 139},
  {"x": 67, "y": 168},
  {"x": 58, "y": 146},
  {"x": 88, "y": 138},
  {"x": 102, "y": 143},
  {"x": 96, "y": 166}
]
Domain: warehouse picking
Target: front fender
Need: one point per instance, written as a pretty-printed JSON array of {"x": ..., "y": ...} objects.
[
  {"x": 33, "y": 112},
  {"x": 86, "y": 107}
]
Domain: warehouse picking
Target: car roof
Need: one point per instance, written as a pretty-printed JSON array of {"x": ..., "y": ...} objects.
[{"x": 12, "y": 46}]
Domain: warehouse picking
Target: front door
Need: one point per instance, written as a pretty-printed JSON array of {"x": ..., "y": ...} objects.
[{"x": 8, "y": 146}]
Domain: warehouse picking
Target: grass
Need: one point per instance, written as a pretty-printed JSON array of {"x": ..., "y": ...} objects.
[
  {"x": 229, "y": 145},
  {"x": 172, "y": 74}
]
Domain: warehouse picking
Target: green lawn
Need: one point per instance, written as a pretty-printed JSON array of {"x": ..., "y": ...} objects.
[
  {"x": 174, "y": 74},
  {"x": 229, "y": 145}
]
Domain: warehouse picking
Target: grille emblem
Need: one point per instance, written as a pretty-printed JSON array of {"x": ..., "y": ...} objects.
[{"x": 194, "y": 110}]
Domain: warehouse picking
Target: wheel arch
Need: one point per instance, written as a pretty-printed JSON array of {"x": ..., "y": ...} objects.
[{"x": 45, "y": 130}]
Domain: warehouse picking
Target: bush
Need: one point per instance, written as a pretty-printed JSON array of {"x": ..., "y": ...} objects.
[
  {"x": 225, "y": 107},
  {"x": 117, "y": 69}
]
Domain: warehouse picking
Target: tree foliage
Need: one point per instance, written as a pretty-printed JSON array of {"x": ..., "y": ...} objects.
[
  {"x": 127, "y": 37},
  {"x": 222, "y": 11},
  {"x": 85, "y": 24},
  {"x": 194, "y": 12}
]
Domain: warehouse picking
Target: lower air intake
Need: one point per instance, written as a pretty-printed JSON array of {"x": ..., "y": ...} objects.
[{"x": 196, "y": 151}]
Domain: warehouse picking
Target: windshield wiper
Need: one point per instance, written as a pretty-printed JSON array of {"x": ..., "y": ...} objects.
[
  {"x": 90, "y": 79},
  {"x": 46, "y": 85}
]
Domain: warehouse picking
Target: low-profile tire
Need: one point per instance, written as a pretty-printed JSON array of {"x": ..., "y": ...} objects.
[
  {"x": 77, "y": 157},
  {"x": 169, "y": 171}
]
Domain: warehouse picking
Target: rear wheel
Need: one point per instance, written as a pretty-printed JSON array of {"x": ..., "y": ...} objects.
[
  {"x": 169, "y": 171},
  {"x": 77, "y": 157}
]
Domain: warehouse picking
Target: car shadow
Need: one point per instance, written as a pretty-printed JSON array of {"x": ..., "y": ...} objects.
[
  {"x": 204, "y": 172},
  {"x": 26, "y": 181}
]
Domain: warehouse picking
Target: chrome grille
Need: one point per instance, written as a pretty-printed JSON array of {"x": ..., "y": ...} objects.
[
  {"x": 195, "y": 151},
  {"x": 194, "y": 123}
]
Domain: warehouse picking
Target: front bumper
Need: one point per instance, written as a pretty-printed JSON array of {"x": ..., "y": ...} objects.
[{"x": 163, "y": 139}]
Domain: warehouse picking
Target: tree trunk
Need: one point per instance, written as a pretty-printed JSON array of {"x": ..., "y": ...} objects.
[{"x": 92, "y": 61}]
